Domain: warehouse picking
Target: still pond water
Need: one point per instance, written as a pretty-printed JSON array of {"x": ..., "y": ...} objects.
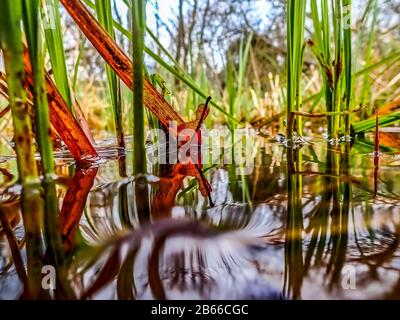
[{"x": 325, "y": 227}]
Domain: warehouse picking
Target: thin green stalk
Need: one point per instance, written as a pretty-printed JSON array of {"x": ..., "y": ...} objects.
[
  {"x": 327, "y": 54},
  {"x": 104, "y": 14},
  {"x": 138, "y": 29},
  {"x": 77, "y": 63},
  {"x": 296, "y": 12},
  {"x": 368, "y": 55},
  {"x": 369, "y": 124},
  {"x": 290, "y": 35},
  {"x": 230, "y": 85},
  {"x": 339, "y": 73},
  {"x": 295, "y": 51},
  {"x": 348, "y": 64},
  {"x": 317, "y": 24},
  {"x": 338, "y": 66},
  {"x": 321, "y": 51},
  {"x": 36, "y": 53},
  {"x": 243, "y": 62},
  {"x": 55, "y": 45},
  {"x": 335, "y": 80},
  {"x": 32, "y": 204},
  {"x": 390, "y": 58},
  {"x": 300, "y": 55}
]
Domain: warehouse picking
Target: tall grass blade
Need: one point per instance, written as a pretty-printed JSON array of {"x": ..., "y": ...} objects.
[
  {"x": 348, "y": 64},
  {"x": 138, "y": 29},
  {"x": 368, "y": 54},
  {"x": 390, "y": 58},
  {"x": 55, "y": 47},
  {"x": 338, "y": 66},
  {"x": 296, "y": 12}
]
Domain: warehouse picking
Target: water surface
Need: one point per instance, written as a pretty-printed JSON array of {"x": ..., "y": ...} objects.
[{"x": 326, "y": 226}]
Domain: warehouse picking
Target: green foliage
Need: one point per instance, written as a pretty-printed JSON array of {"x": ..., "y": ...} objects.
[{"x": 175, "y": 69}]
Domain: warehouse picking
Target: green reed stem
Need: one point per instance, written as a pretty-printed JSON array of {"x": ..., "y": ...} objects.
[
  {"x": 290, "y": 35},
  {"x": 326, "y": 31},
  {"x": 348, "y": 65},
  {"x": 230, "y": 85},
  {"x": 296, "y": 12},
  {"x": 235, "y": 79},
  {"x": 32, "y": 204},
  {"x": 55, "y": 46},
  {"x": 321, "y": 49},
  {"x": 36, "y": 53},
  {"x": 368, "y": 55},
  {"x": 138, "y": 29},
  {"x": 243, "y": 62},
  {"x": 338, "y": 66},
  {"x": 77, "y": 63}
]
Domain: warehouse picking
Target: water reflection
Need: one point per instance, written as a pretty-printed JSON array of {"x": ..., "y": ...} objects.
[{"x": 293, "y": 231}]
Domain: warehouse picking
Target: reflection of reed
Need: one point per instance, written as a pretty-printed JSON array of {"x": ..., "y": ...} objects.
[
  {"x": 193, "y": 266},
  {"x": 329, "y": 220},
  {"x": 340, "y": 216},
  {"x": 131, "y": 243},
  {"x": 322, "y": 201},
  {"x": 294, "y": 227},
  {"x": 7, "y": 225},
  {"x": 142, "y": 202},
  {"x": 344, "y": 225},
  {"x": 74, "y": 204}
]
